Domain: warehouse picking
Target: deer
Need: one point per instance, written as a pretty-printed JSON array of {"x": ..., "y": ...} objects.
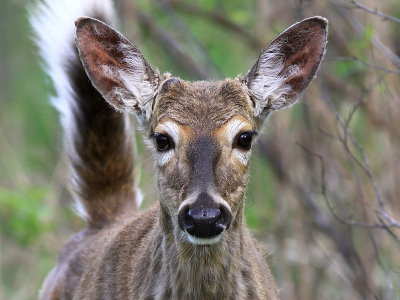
[{"x": 193, "y": 243}]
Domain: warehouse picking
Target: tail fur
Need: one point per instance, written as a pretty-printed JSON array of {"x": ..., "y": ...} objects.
[{"x": 96, "y": 137}]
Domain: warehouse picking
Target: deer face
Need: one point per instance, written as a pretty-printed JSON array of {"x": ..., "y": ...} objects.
[{"x": 201, "y": 132}]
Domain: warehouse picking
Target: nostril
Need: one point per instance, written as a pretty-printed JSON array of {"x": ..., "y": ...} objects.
[
  {"x": 185, "y": 219},
  {"x": 226, "y": 216}
]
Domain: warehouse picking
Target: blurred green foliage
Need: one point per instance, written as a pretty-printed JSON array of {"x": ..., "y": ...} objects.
[{"x": 23, "y": 216}]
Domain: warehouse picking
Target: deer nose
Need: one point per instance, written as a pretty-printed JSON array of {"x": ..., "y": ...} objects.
[{"x": 204, "y": 222}]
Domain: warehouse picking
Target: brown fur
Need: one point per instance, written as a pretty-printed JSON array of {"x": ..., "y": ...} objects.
[
  {"x": 135, "y": 260},
  {"x": 129, "y": 254},
  {"x": 139, "y": 257}
]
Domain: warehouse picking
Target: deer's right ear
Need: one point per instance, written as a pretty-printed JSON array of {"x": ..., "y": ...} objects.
[{"x": 116, "y": 67}]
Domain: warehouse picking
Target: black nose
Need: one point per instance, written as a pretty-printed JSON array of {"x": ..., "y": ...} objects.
[{"x": 204, "y": 222}]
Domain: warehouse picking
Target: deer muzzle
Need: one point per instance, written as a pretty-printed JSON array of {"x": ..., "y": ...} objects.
[{"x": 205, "y": 219}]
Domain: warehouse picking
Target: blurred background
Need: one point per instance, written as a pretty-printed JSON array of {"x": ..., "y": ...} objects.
[{"x": 324, "y": 192}]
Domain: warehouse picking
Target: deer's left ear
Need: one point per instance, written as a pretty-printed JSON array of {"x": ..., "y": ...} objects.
[{"x": 287, "y": 65}]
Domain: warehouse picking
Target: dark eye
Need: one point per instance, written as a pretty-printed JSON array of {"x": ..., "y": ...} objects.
[
  {"x": 163, "y": 142},
  {"x": 244, "y": 139}
]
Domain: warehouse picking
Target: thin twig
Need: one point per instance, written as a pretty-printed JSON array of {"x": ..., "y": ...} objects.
[
  {"x": 383, "y": 225},
  {"x": 363, "y": 98},
  {"x": 180, "y": 26},
  {"x": 360, "y": 28},
  {"x": 219, "y": 19},
  {"x": 321, "y": 221},
  {"x": 374, "y": 66},
  {"x": 374, "y": 11},
  {"x": 175, "y": 49}
]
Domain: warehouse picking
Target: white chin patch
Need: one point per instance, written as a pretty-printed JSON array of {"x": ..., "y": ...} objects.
[{"x": 203, "y": 241}]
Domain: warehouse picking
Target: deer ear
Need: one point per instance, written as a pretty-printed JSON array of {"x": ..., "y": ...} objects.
[
  {"x": 116, "y": 67},
  {"x": 287, "y": 65}
]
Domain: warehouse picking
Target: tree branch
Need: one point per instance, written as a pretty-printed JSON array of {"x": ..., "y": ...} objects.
[{"x": 374, "y": 11}]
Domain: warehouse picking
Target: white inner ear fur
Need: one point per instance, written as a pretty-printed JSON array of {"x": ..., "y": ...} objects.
[
  {"x": 128, "y": 95},
  {"x": 138, "y": 83},
  {"x": 269, "y": 87},
  {"x": 172, "y": 130},
  {"x": 137, "y": 88}
]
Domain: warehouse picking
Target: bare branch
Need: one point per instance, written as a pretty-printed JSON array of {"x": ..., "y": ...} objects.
[
  {"x": 196, "y": 48},
  {"x": 359, "y": 27},
  {"x": 219, "y": 19},
  {"x": 173, "y": 47},
  {"x": 374, "y": 66},
  {"x": 320, "y": 220},
  {"x": 383, "y": 225},
  {"x": 374, "y": 11},
  {"x": 391, "y": 222}
]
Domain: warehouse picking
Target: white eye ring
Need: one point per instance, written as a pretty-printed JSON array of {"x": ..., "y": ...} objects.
[
  {"x": 164, "y": 157},
  {"x": 170, "y": 129},
  {"x": 242, "y": 156}
]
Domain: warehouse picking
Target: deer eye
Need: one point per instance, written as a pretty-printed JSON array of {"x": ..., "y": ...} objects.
[
  {"x": 244, "y": 139},
  {"x": 163, "y": 142}
]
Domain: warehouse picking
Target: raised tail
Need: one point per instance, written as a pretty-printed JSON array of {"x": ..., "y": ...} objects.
[{"x": 96, "y": 137}]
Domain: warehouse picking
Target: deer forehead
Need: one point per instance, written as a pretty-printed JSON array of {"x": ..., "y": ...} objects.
[{"x": 201, "y": 104}]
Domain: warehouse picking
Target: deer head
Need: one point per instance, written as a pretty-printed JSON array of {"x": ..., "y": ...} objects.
[{"x": 201, "y": 133}]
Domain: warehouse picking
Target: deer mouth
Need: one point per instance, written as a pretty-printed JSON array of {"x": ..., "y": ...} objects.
[{"x": 203, "y": 241}]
